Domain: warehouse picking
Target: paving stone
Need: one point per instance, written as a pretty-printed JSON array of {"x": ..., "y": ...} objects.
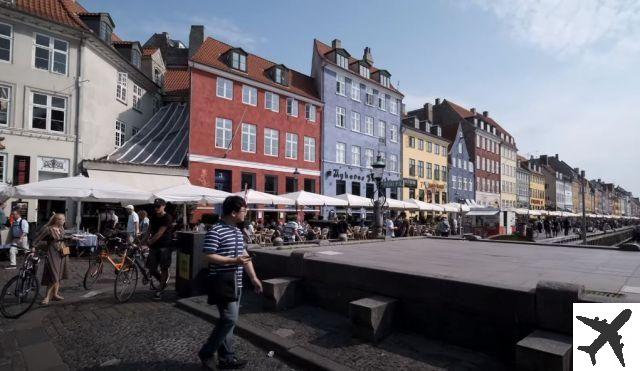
[{"x": 30, "y": 337}]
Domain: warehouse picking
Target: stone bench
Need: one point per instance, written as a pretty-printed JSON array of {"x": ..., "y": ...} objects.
[
  {"x": 372, "y": 317},
  {"x": 281, "y": 293},
  {"x": 544, "y": 351},
  {"x": 554, "y": 305}
]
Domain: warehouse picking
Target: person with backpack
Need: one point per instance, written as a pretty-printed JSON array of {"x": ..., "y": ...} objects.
[{"x": 18, "y": 236}]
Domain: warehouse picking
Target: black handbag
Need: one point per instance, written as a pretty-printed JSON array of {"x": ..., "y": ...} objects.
[{"x": 223, "y": 286}]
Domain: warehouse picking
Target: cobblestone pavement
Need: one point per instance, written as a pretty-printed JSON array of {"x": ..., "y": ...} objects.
[
  {"x": 329, "y": 334},
  {"x": 142, "y": 334}
]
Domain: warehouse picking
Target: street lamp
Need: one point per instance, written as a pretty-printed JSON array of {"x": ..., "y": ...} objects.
[
  {"x": 584, "y": 212},
  {"x": 377, "y": 174}
]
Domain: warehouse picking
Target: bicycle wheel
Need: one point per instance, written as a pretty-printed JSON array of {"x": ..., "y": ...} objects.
[
  {"x": 93, "y": 273},
  {"x": 126, "y": 282},
  {"x": 18, "y": 295}
]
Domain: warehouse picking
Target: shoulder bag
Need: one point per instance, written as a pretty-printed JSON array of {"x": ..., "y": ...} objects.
[{"x": 223, "y": 286}]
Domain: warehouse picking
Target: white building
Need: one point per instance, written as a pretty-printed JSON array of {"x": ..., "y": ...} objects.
[{"x": 70, "y": 90}]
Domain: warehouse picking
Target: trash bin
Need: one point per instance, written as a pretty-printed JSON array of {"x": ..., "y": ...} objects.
[{"x": 190, "y": 270}]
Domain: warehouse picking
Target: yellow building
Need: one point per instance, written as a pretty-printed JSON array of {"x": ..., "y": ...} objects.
[
  {"x": 537, "y": 198},
  {"x": 424, "y": 161}
]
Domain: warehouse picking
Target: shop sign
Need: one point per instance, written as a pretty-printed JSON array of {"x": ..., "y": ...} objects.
[
  {"x": 336, "y": 174},
  {"x": 53, "y": 165},
  {"x": 392, "y": 183}
]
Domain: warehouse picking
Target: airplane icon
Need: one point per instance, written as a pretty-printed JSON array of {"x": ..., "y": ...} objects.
[{"x": 608, "y": 334}]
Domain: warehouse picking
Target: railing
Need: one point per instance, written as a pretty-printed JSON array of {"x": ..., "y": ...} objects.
[{"x": 606, "y": 238}]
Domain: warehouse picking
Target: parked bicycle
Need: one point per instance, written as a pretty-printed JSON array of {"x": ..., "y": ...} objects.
[
  {"x": 134, "y": 261},
  {"x": 21, "y": 291},
  {"x": 108, "y": 250}
]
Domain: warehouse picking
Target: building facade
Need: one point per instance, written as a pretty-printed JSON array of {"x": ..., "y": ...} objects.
[
  {"x": 508, "y": 168},
  {"x": 362, "y": 119},
  {"x": 485, "y": 150},
  {"x": 254, "y": 124},
  {"x": 461, "y": 182},
  {"x": 70, "y": 90},
  {"x": 523, "y": 184},
  {"x": 536, "y": 186},
  {"x": 424, "y": 161}
]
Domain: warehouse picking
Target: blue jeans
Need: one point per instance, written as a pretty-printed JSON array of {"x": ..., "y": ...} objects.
[{"x": 221, "y": 339}]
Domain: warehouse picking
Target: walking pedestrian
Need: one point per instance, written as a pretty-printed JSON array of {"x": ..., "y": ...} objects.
[
  {"x": 555, "y": 227},
  {"x": 144, "y": 223},
  {"x": 159, "y": 243},
  {"x": 566, "y": 225},
  {"x": 227, "y": 259},
  {"x": 133, "y": 223},
  {"x": 55, "y": 269},
  {"x": 454, "y": 226},
  {"x": 18, "y": 236},
  {"x": 547, "y": 228}
]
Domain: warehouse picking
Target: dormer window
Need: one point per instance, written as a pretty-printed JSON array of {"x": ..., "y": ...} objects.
[
  {"x": 364, "y": 72},
  {"x": 342, "y": 61},
  {"x": 279, "y": 74},
  {"x": 135, "y": 57},
  {"x": 239, "y": 61},
  {"x": 105, "y": 32},
  {"x": 384, "y": 80}
]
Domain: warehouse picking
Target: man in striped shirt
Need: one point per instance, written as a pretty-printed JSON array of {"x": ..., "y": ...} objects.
[{"x": 224, "y": 251}]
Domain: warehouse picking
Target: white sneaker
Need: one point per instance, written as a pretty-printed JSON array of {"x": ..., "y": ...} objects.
[{"x": 11, "y": 267}]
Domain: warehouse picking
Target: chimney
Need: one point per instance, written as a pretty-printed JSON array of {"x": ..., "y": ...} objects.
[
  {"x": 437, "y": 101},
  {"x": 196, "y": 38},
  {"x": 557, "y": 158},
  {"x": 428, "y": 111},
  {"x": 473, "y": 111},
  {"x": 336, "y": 44},
  {"x": 544, "y": 159},
  {"x": 404, "y": 109},
  {"x": 485, "y": 113},
  {"x": 367, "y": 55}
]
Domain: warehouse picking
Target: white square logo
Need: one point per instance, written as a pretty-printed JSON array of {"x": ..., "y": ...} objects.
[{"x": 606, "y": 336}]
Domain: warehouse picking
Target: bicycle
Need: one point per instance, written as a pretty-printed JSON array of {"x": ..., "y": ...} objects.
[
  {"x": 21, "y": 291},
  {"x": 96, "y": 262},
  {"x": 127, "y": 277}
]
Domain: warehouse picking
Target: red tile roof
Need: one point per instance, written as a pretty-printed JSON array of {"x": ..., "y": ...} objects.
[
  {"x": 210, "y": 54},
  {"x": 177, "y": 81},
  {"x": 465, "y": 113},
  {"x": 146, "y": 52},
  {"x": 323, "y": 49}
]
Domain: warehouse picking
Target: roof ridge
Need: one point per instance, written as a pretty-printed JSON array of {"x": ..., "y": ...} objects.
[
  {"x": 73, "y": 14},
  {"x": 256, "y": 56}
]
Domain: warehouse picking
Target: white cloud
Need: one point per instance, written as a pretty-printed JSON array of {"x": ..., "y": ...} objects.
[{"x": 596, "y": 31}]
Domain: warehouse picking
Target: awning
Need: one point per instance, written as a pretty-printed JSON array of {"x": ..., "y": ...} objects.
[
  {"x": 482, "y": 212},
  {"x": 142, "y": 181}
]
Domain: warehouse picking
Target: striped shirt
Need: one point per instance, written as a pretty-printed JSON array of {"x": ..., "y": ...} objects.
[{"x": 224, "y": 240}]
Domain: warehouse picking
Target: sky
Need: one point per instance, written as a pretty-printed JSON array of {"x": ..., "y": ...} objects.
[{"x": 557, "y": 74}]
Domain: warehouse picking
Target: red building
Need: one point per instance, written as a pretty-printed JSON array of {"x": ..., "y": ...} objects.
[{"x": 253, "y": 123}]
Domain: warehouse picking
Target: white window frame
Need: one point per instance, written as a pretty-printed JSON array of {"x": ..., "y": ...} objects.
[
  {"x": 342, "y": 61},
  {"x": 224, "y": 88},
  {"x": 368, "y": 125},
  {"x": 51, "y": 51},
  {"x": 393, "y": 106},
  {"x": 249, "y": 138},
  {"x": 121, "y": 88},
  {"x": 221, "y": 125},
  {"x": 385, "y": 81},
  {"x": 356, "y": 123},
  {"x": 381, "y": 103},
  {"x": 356, "y": 156},
  {"x": 341, "y": 152},
  {"x": 291, "y": 146},
  {"x": 454, "y": 182},
  {"x": 355, "y": 91},
  {"x": 364, "y": 71},
  {"x": 272, "y": 101},
  {"x": 382, "y": 129},
  {"x": 121, "y": 133},
  {"x": 249, "y": 95},
  {"x": 239, "y": 61},
  {"x": 341, "y": 85},
  {"x": 7, "y": 101},
  {"x": 393, "y": 163},
  {"x": 369, "y": 157},
  {"x": 310, "y": 112},
  {"x": 292, "y": 107},
  {"x": 369, "y": 97},
  {"x": 10, "y": 38},
  {"x": 49, "y": 107},
  {"x": 310, "y": 149},
  {"x": 137, "y": 97},
  {"x": 341, "y": 117},
  {"x": 271, "y": 142},
  {"x": 421, "y": 144},
  {"x": 394, "y": 133}
]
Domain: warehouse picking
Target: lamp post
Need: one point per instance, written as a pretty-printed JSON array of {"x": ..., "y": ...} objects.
[
  {"x": 377, "y": 173},
  {"x": 584, "y": 212}
]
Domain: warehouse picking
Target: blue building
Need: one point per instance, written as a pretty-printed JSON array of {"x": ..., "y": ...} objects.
[
  {"x": 461, "y": 173},
  {"x": 362, "y": 118}
]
